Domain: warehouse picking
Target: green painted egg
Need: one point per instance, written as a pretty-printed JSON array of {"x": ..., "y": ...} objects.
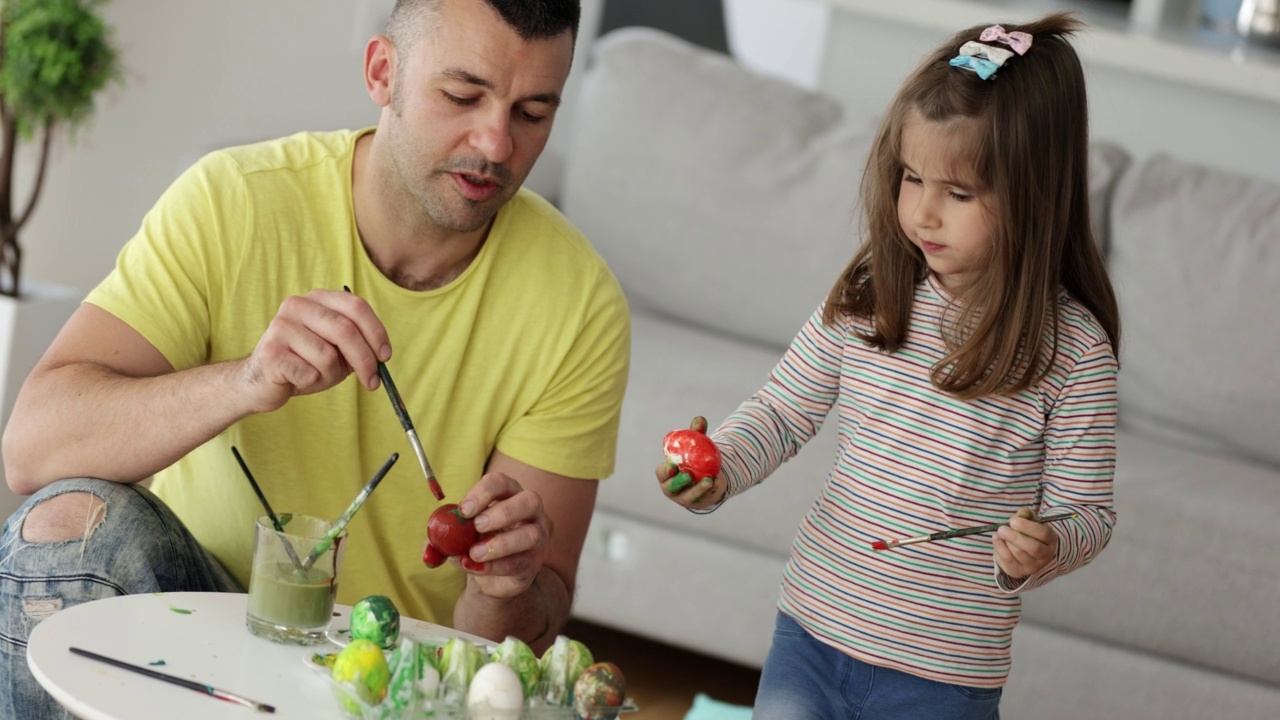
[
  {"x": 361, "y": 671},
  {"x": 460, "y": 659},
  {"x": 515, "y": 654},
  {"x": 560, "y": 666},
  {"x": 599, "y": 692},
  {"x": 376, "y": 619}
]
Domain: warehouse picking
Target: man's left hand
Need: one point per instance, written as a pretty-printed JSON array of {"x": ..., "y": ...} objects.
[{"x": 515, "y": 532}]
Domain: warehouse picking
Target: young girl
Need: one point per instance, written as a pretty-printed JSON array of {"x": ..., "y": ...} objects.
[{"x": 970, "y": 351}]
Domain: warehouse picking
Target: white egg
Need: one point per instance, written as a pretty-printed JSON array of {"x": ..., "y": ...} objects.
[{"x": 495, "y": 693}]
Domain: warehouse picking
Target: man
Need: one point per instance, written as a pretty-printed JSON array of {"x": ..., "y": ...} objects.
[{"x": 225, "y": 324}]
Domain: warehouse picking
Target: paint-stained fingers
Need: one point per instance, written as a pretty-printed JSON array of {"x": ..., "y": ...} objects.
[
  {"x": 704, "y": 494},
  {"x": 665, "y": 473},
  {"x": 699, "y": 424}
]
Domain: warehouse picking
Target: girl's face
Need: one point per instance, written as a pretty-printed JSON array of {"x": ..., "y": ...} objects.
[{"x": 942, "y": 206}]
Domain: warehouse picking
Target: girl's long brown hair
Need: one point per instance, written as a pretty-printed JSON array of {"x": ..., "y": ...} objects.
[{"x": 1032, "y": 152}]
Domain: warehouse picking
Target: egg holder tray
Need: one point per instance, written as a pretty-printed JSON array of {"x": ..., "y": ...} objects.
[
  {"x": 434, "y": 709},
  {"x": 425, "y": 708}
]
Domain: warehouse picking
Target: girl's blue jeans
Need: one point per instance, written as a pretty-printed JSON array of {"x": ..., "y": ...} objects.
[
  {"x": 136, "y": 546},
  {"x": 805, "y": 679}
]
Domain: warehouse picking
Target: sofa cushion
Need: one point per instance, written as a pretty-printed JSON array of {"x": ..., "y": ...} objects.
[
  {"x": 1107, "y": 163},
  {"x": 702, "y": 183},
  {"x": 1196, "y": 264},
  {"x": 1189, "y": 572}
]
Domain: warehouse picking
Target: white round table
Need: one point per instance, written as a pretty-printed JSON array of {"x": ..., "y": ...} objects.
[{"x": 199, "y": 636}]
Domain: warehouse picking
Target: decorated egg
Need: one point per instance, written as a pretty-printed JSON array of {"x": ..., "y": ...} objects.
[
  {"x": 460, "y": 659},
  {"x": 449, "y": 534},
  {"x": 694, "y": 454},
  {"x": 376, "y": 619},
  {"x": 407, "y": 671},
  {"x": 495, "y": 693},
  {"x": 515, "y": 654},
  {"x": 361, "y": 671},
  {"x": 561, "y": 665},
  {"x": 599, "y": 692}
]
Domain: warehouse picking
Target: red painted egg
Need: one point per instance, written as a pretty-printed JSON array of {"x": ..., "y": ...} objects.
[{"x": 693, "y": 452}]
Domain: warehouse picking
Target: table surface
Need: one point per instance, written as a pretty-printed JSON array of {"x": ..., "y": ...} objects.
[{"x": 199, "y": 636}]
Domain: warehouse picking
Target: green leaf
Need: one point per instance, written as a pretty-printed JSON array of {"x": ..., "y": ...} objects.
[{"x": 57, "y": 55}]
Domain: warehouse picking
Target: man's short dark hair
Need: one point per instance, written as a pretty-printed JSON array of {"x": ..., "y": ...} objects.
[{"x": 531, "y": 19}]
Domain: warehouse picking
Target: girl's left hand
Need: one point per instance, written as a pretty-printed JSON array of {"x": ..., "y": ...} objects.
[{"x": 1024, "y": 546}]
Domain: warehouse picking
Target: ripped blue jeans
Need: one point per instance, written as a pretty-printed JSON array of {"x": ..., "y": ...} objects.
[{"x": 133, "y": 544}]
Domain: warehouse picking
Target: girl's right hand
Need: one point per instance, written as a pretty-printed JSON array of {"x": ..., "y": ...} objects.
[{"x": 699, "y": 495}]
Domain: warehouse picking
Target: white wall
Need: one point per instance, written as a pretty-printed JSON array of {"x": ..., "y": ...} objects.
[
  {"x": 200, "y": 75},
  {"x": 1144, "y": 114},
  {"x": 783, "y": 38}
]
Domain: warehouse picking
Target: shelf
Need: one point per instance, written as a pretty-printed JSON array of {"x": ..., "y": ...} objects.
[{"x": 1204, "y": 58}]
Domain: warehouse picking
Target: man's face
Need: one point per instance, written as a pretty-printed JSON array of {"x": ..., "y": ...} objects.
[{"x": 471, "y": 110}]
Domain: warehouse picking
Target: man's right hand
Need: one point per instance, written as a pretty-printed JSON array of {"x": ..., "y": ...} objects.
[
  {"x": 314, "y": 342},
  {"x": 104, "y": 402}
]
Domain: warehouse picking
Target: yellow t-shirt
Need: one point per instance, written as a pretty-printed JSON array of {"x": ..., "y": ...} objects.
[{"x": 527, "y": 352}]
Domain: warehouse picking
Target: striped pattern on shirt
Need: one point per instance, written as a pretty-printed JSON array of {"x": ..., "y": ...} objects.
[{"x": 913, "y": 460}]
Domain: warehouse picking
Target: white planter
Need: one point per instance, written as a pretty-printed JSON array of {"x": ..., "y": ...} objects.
[{"x": 27, "y": 327}]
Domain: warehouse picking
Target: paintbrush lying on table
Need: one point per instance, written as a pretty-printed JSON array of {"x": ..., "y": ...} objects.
[
  {"x": 879, "y": 545},
  {"x": 183, "y": 682}
]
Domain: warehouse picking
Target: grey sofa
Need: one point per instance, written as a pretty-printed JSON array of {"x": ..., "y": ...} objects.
[{"x": 725, "y": 203}]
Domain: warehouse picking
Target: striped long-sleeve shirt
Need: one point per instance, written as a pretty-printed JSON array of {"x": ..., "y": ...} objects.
[{"x": 912, "y": 460}]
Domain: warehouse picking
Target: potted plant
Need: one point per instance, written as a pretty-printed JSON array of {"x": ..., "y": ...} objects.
[{"x": 55, "y": 55}]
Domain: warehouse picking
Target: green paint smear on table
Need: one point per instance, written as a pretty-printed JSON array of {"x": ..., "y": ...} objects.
[
  {"x": 158, "y": 662},
  {"x": 181, "y": 611}
]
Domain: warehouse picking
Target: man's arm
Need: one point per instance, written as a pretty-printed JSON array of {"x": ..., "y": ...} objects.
[
  {"x": 527, "y": 588},
  {"x": 104, "y": 402}
]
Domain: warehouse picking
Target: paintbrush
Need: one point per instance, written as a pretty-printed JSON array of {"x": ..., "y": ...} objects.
[
  {"x": 275, "y": 521},
  {"x": 879, "y": 545},
  {"x": 183, "y": 682},
  {"x": 341, "y": 524},
  {"x": 397, "y": 404}
]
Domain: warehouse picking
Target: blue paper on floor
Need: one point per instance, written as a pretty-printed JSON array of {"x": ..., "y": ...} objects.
[{"x": 708, "y": 708}]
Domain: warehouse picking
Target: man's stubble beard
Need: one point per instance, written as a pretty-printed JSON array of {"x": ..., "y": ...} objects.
[{"x": 435, "y": 204}]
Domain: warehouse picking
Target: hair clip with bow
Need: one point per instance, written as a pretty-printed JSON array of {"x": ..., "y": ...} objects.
[
  {"x": 1019, "y": 41},
  {"x": 985, "y": 68},
  {"x": 990, "y": 52}
]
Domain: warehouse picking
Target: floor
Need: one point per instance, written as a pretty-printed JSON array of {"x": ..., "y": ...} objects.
[{"x": 663, "y": 679}]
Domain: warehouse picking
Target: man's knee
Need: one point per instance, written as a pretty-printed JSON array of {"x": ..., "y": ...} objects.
[{"x": 62, "y": 517}]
